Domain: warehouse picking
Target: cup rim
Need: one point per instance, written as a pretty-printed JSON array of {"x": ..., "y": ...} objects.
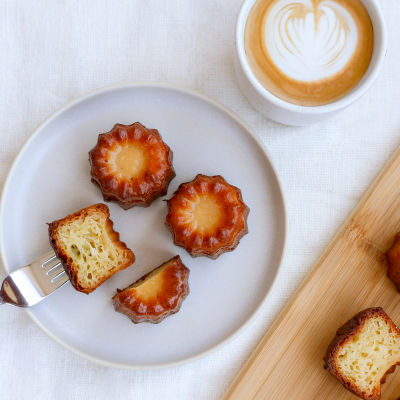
[{"x": 358, "y": 91}]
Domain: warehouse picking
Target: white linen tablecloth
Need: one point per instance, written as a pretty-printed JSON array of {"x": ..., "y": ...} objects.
[{"x": 53, "y": 51}]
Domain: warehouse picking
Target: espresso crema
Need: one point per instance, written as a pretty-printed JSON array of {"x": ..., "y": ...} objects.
[{"x": 309, "y": 52}]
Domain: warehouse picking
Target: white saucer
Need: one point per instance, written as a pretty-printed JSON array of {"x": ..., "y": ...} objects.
[{"x": 50, "y": 179}]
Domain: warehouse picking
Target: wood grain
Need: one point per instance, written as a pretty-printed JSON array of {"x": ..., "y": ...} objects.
[{"x": 349, "y": 277}]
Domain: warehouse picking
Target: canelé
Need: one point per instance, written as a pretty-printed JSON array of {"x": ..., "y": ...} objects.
[
  {"x": 364, "y": 350},
  {"x": 156, "y": 295},
  {"x": 131, "y": 165},
  {"x": 393, "y": 259},
  {"x": 207, "y": 216},
  {"x": 89, "y": 248}
]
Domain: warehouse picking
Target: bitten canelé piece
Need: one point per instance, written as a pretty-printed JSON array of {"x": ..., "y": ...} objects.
[
  {"x": 89, "y": 248},
  {"x": 207, "y": 216},
  {"x": 393, "y": 259},
  {"x": 364, "y": 351},
  {"x": 131, "y": 165},
  {"x": 156, "y": 295}
]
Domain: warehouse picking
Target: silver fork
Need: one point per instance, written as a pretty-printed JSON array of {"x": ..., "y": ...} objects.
[{"x": 28, "y": 285}]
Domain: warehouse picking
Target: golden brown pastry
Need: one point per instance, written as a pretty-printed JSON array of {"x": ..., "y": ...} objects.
[
  {"x": 131, "y": 165},
  {"x": 393, "y": 259},
  {"x": 156, "y": 295},
  {"x": 364, "y": 351},
  {"x": 207, "y": 216},
  {"x": 89, "y": 248}
]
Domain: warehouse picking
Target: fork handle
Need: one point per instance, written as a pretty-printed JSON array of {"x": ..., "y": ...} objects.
[
  {"x": 9, "y": 294},
  {"x": 2, "y": 299}
]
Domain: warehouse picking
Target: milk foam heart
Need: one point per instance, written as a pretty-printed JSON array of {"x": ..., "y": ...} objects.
[
  {"x": 309, "y": 52},
  {"x": 309, "y": 41}
]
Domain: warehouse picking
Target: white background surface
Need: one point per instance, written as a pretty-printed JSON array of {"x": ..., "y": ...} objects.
[{"x": 52, "y": 52}]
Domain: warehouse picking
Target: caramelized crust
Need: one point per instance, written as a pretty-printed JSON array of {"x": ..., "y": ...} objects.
[
  {"x": 89, "y": 248},
  {"x": 349, "y": 336},
  {"x": 131, "y": 165},
  {"x": 156, "y": 295},
  {"x": 207, "y": 216},
  {"x": 393, "y": 259}
]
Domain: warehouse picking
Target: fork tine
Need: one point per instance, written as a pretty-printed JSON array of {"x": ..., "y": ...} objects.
[
  {"x": 61, "y": 281},
  {"x": 60, "y": 274},
  {"x": 41, "y": 265},
  {"x": 50, "y": 263},
  {"x": 48, "y": 270},
  {"x": 30, "y": 284},
  {"x": 54, "y": 269}
]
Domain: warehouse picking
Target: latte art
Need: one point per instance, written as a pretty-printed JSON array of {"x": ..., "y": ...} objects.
[
  {"x": 309, "y": 42},
  {"x": 309, "y": 52}
]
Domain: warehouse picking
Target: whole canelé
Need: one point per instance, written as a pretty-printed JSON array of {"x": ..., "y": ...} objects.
[
  {"x": 131, "y": 165},
  {"x": 207, "y": 216}
]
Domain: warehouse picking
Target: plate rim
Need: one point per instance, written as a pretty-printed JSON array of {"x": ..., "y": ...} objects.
[{"x": 248, "y": 130}]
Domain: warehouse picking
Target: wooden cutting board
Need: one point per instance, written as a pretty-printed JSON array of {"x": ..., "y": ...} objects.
[{"x": 349, "y": 277}]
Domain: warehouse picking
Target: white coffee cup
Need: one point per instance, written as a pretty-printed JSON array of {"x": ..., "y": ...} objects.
[{"x": 290, "y": 114}]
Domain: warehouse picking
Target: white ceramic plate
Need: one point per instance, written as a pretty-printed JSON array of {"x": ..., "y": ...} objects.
[{"x": 50, "y": 179}]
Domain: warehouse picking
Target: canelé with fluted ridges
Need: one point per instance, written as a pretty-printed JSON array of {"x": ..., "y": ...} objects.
[
  {"x": 131, "y": 165},
  {"x": 207, "y": 216}
]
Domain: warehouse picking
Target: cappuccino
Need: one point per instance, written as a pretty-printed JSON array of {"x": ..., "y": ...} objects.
[{"x": 309, "y": 52}]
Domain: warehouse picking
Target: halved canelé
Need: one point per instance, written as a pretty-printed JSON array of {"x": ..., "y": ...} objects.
[
  {"x": 365, "y": 349},
  {"x": 131, "y": 165},
  {"x": 156, "y": 295},
  {"x": 207, "y": 216},
  {"x": 89, "y": 248}
]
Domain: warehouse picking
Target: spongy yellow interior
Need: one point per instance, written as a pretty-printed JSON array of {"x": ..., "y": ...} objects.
[
  {"x": 207, "y": 213},
  {"x": 90, "y": 249},
  {"x": 368, "y": 355}
]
